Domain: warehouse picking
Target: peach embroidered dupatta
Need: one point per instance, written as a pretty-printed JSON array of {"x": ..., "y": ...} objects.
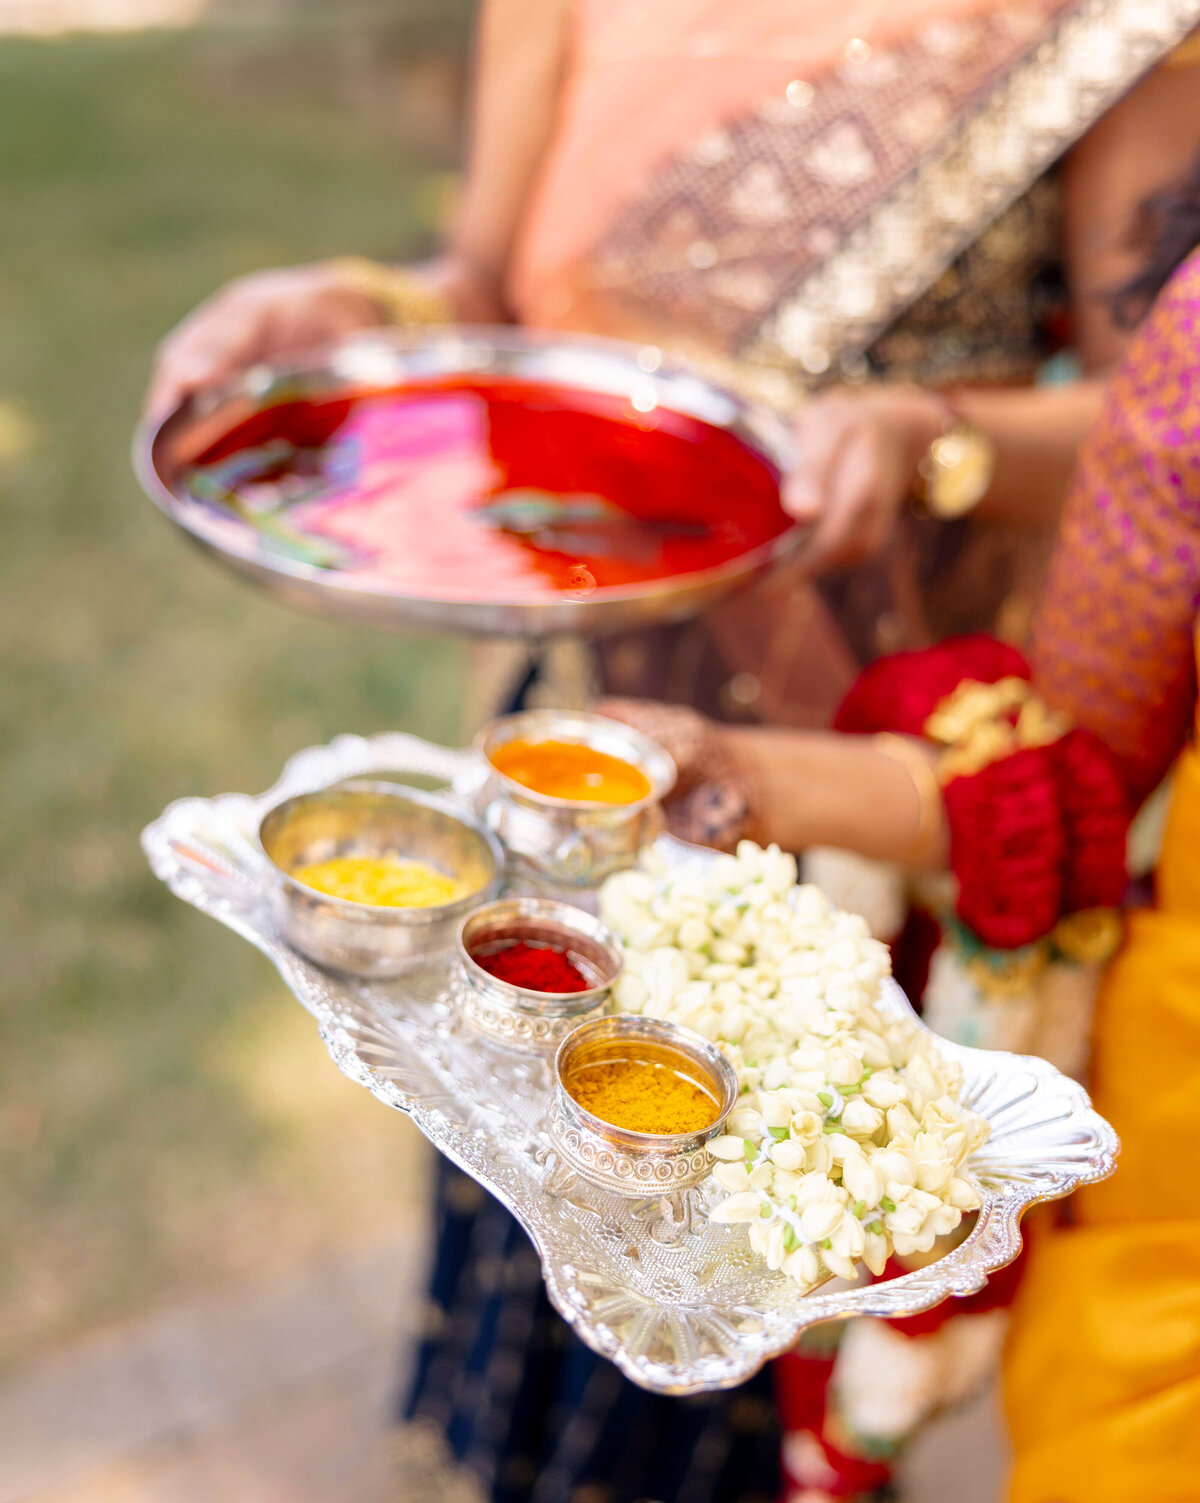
[{"x": 713, "y": 156}]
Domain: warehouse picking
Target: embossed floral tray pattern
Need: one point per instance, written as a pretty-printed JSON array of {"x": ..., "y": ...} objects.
[{"x": 680, "y": 1305}]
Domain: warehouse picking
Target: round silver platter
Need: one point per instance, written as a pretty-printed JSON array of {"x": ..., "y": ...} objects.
[
  {"x": 679, "y": 1304},
  {"x": 163, "y": 453}
]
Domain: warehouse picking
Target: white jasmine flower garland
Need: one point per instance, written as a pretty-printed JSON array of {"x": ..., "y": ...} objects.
[{"x": 848, "y": 1141}]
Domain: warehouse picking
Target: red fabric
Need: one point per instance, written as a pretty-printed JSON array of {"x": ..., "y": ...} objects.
[
  {"x": 1008, "y": 848},
  {"x": 899, "y": 693},
  {"x": 1033, "y": 836},
  {"x": 801, "y": 1382},
  {"x": 801, "y": 1394},
  {"x": 802, "y": 1385},
  {"x": 1096, "y": 810},
  {"x": 996, "y": 1294},
  {"x": 913, "y": 951}
]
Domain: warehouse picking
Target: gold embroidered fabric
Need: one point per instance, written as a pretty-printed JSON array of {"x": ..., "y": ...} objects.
[
  {"x": 893, "y": 216},
  {"x": 1023, "y": 123},
  {"x": 726, "y": 232}
]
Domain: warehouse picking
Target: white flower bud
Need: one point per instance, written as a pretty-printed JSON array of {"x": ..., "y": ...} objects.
[
  {"x": 806, "y": 1127},
  {"x": 819, "y": 1221},
  {"x": 841, "y": 1147},
  {"x": 849, "y": 1239},
  {"x": 919, "y": 1242},
  {"x": 844, "y": 1068},
  {"x": 884, "y": 1092},
  {"x": 860, "y": 1118},
  {"x": 732, "y": 1177},
  {"x": 728, "y": 1147},
  {"x": 962, "y": 1194},
  {"x": 875, "y": 1053},
  {"x": 648, "y": 935},
  {"x": 788, "y": 1154},
  {"x": 934, "y": 1174},
  {"x": 762, "y": 1176},
  {"x": 694, "y": 934},
  {"x": 836, "y": 1264},
  {"x": 776, "y": 1108},
  {"x": 804, "y": 1266},
  {"x": 921, "y": 1080},
  {"x": 820, "y": 1156},
  {"x": 810, "y": 904},
  {"x": 943, "y": 1221},
  {"x": 631, "y": 992},
  {"x": 814, "y": 1187},
  {"x": 875, "y": 1252},
  {"x": 737, "y": 1209},
  {"x": 799, "y": 965},
  {"x": 901, "y": 1123},
  {"x": 843, "y": 955},
  {"x": 894, "y": 1167},
  {"x": 861, "y": 1180},
  {"x": 779, "y": 870},
  {"x": 786, "y": 1184},
  {"x": 717, "y": 974},
  {"x": 905, "y": 1220},
  {"x": 778, "y": 1073},
  {"x": 933, "y": 1167}
]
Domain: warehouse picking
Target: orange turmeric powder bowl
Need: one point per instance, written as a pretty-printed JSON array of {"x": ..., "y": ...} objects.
[
  {"x": 636, "y": 1101},
  {"x": 573, "y": 797}
]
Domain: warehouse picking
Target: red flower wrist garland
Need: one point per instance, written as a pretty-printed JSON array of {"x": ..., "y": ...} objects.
[{"x": 1036, "y": 810}]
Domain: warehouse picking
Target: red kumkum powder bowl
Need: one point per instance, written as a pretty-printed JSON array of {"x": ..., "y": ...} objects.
[
  {"x": 531, "y": 970},
  {"x": 534, "y": 968}
]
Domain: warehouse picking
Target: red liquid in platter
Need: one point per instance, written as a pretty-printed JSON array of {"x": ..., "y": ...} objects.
[{"x": 491, "y": 490}]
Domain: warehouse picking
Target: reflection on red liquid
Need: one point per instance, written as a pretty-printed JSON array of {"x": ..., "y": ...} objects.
[{"x": 489, "y": 490}]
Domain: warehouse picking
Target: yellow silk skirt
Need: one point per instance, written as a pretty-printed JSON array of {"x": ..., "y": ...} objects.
[{"x": 1102, "y": 1373}]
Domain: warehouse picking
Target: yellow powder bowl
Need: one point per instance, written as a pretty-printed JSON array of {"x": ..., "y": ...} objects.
[
  {"x": 636, "y": 1101},
  {"x": 370, "y": 878},
  {"x": 617, "y": 779}
]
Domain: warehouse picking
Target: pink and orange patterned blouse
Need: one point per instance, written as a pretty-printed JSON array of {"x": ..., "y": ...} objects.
[{"x": 1113, "y": 640}]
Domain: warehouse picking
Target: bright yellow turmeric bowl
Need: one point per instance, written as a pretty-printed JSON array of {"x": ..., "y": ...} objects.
[{"x": 372, "y": 877}]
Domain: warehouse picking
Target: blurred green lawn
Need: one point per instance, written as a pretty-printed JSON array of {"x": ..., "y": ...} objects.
[{"x": 167, "y": 1115}]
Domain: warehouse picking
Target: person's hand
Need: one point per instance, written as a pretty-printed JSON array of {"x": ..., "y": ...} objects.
[
  {"x": 267, "y": 316},
  {"x": 858, "y": 454},
  {"x": 274, "y": 314},
  {"x": 712, "y": 802}
]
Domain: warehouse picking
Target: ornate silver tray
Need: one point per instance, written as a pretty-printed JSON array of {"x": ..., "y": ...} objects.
[
  {"x": 163, "y": 452},
  {"x": 680, "y": 1305}
]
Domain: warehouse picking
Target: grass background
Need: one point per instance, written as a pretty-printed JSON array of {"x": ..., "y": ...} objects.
[{"x": 168, "y": 1118}]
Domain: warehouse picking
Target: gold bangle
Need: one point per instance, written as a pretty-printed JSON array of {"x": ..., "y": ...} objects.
[
  {"x": 932, "y": 810},
  {"x": 401, "y": 295}
]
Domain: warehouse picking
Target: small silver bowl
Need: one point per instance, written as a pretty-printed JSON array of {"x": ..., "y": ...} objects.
[
  {"x": 567, "y": 842},
  {"x": 518, "y": 1015},
  {"x": 374, "y": 819},
  {"x": 617, "y": 1158}
]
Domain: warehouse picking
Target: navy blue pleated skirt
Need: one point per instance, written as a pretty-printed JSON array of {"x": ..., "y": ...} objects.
[{"x": 535, "y": 1416}]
